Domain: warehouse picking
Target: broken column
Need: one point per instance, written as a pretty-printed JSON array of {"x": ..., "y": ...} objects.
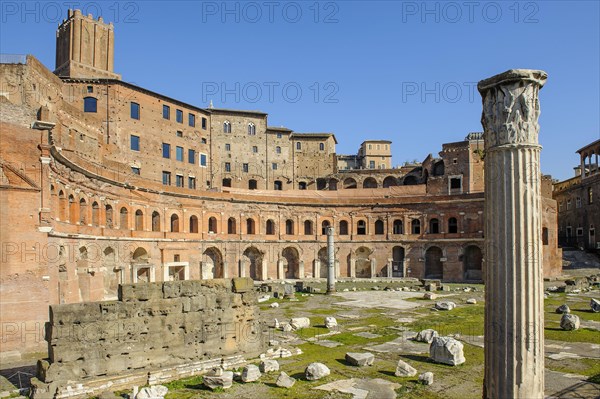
[
  {"x": 514, "y": 323},
  {"x": 330, "y": 261}
]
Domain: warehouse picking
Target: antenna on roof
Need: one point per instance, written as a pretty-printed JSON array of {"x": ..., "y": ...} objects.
[{"x": 211, "y": 106}]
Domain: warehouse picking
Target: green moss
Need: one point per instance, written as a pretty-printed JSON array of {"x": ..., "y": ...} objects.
[{"x": 464, "y": 320}]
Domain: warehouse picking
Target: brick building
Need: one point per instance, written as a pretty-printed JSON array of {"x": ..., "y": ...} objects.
[
  {"x": 578, "y": 203},
  {"x": 104, "y": 182}
]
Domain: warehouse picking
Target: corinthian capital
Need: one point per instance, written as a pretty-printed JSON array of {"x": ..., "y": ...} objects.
[{"x": 511, "y": 107}]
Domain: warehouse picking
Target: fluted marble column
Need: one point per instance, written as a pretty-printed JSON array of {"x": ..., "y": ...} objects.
[{"x": 514, "y": 323}]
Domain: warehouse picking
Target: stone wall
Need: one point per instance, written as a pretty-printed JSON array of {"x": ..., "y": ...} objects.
[{"x": 150, "y": 327}]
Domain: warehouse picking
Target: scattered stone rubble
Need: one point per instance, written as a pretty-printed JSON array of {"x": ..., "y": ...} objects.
[
  {"x": 285, "y": 381},
  {"x": 404, "y": 369},
  {"x": 360, "y": 359},
  {"x": 569, "y": 322},
  {"x": 316, "y": 371},
  {"x": 426, "y": 335}
]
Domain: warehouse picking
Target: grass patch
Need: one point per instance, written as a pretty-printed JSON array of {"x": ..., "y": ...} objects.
[
  {"x": 464, "y": 320},
  {"x": 584, "y": 366}
]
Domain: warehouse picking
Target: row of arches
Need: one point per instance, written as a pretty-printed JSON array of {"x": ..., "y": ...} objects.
[
  {"x": 75, "y": 210},
  {"x": 369, "y": 183}
]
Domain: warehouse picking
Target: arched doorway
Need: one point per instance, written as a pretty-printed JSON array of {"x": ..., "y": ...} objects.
[
  {"x": 291, "y": 262},
  {"x": 362, "y": 265},
  {"x": 141, "y": 268},
  {"x": 212, "y": 264},
  {"x": 323, "y": 260},
  {"x": 472, "y": 261},
  {"x": 253, "y": 259},
  {"x": 370, "y": 183},
  {"x": 433, "y": 263},
  {"x": 398, "y": 261}
]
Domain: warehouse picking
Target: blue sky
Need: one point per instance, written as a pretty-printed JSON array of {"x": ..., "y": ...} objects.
[{"x": 397, "y": 70}]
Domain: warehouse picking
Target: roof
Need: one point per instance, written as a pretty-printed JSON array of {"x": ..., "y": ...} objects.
[
  {"x": 377, "y": 141},
  {"x": 315, "y": 136},
  {"x": 279, "y": 129},
  {"x": 589, "y": 145},
  {"x": 236, "y": 111}
]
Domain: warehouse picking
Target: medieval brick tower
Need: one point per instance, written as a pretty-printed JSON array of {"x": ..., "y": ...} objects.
[{"x": 85, "y": 48}]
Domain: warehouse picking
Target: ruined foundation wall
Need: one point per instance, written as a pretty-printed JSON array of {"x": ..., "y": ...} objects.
[{"x": 152, "y": 326}]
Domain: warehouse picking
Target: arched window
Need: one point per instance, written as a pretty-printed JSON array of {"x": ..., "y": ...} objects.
[
  {"x": 231, "y": 226},
  {"x": 361, "y": 228},
  {"x": 434, "y": 226},
  {"x": 398, "y": 227},
  {"x": 278, "y": 150},
  {"x": 226, "y": 127},
  {"x": 452, "y": 226},
  {"x": 415, "y": 226},
  {"x": 370, "y": 183},
  {"x": 193, "y": 224},
  {"x": 308, "y": 227},
  {"x": 324, "y": 226},
  {"x": 90, "y": 104},
  {"x": 155, "y": 221},
  {"x": 270, "y": 227},
  {"x": 139, "y": 220},
  {"x": 95, "y": 214},
  {"x": 343, "y": 228},
  {"x": 174, "y": 223},
  {"x": 349, "y": 183},
  {"x": 321, "y": 184},
  {"x": 72, "y": 209},
  {"x": 212, "y": 224},
  {"x": 82, "y": 211},
  {"x": 298, "y": 145},
  {"x": 250, "y": 226},
  {"x": 108, "y": 214},
  {"x": 124, "y": 219},
  {"x": 379, "y": 227},
  {"x": 321, "y": 146},
  {"x": 289, "y": 227},
  {"x": 63, "y": 210},
  {"x": 251, "y": 129}
]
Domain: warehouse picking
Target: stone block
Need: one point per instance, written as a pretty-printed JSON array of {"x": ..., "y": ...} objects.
[
  {"x": 242, "y": 284},
  {"x": 360, "y": 359},
  {"x": 251, "y": 373},
  {"x": 316, "y": 371},
  {"x": 569, "y": 322},
  {"x": 426, "y": 335},
  {"x": 267, "y": 366},
  {"x": 447, "y": 350},
  {"x": 285, "y": 381},
  {"x": 140, "y": 292},
  {"x": 404, "y": 369}
]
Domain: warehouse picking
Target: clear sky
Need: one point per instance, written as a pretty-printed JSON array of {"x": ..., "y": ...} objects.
[{"x": 396, "y": 70}]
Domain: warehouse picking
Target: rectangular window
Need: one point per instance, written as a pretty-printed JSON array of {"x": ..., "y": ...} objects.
[
  {"x": 90, "y": 89},
  {"x": 202, "y": 159},
  {"x": 274, "y": 165},
  {"x": 135, "y": 110},
  {"x": 580, "y": 232},
  {"x": 279, "y": 135},
  {"x": 166, "y": 177},
  {"x": 135, "y": 143},
  {"x": 371, "y": 164},
  {"x": 227, "y": 167},
  {"x": 568, "y": 205},
  {"x": 179, "y": 153},
  {"x": 227, "y": 147},
  {"x": 455, "y": 183},
  {"x": 203, "y": 140},
  {"x": 254, "y": 149},
  {"x": 204, "y": 121},
  {"x": 179, "y": 180},
  {"x": 192, "y": 182},
  {"x": 166, "y": 150},
  {"x": 245, "y": 168},
  {"x": 578, "y": 202},
  {"x": 179, "y": 133},
  {"x": 192, "y": 156},
  {"x": 192, "y": 120},
  {"x": 179, "y": 116},
  {"x": 166, "y": 112},
  {"x": 135, "y": 171}
]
